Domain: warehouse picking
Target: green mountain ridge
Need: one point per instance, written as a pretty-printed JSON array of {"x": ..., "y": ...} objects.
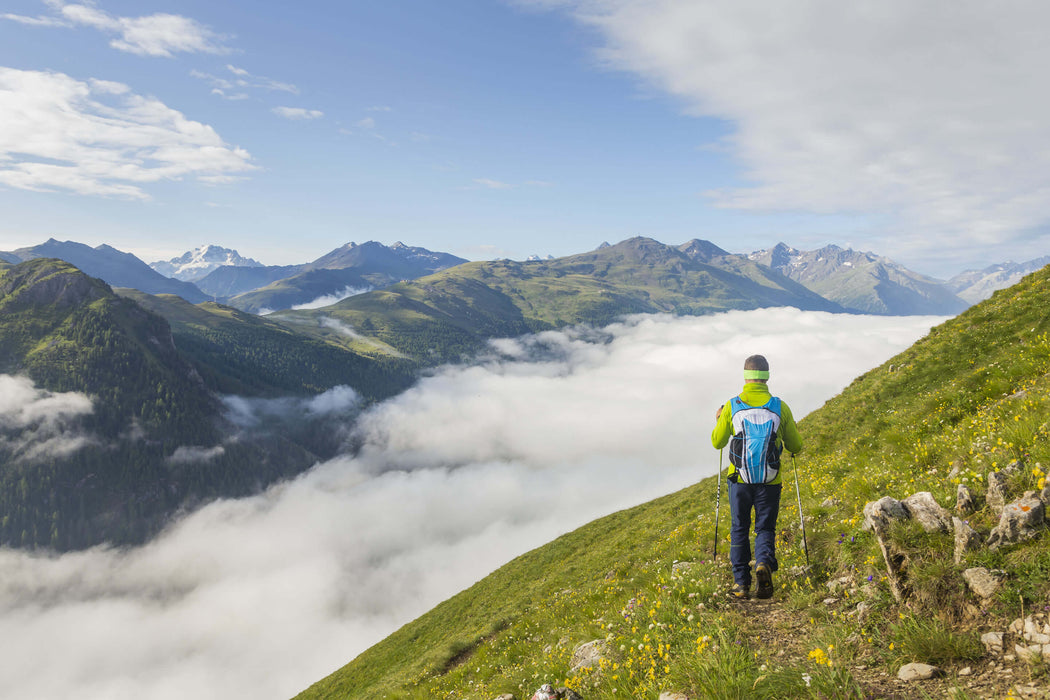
[
  {"x": 157, "y": 437},
  {"x": 448, "y": 315},
  {"x": 956, "y": 407}
]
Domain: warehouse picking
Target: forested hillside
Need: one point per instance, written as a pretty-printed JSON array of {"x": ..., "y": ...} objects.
[{"x": 120, "y": 418}]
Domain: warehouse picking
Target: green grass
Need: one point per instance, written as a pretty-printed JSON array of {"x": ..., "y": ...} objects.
[{"x": 971, "y": 397}]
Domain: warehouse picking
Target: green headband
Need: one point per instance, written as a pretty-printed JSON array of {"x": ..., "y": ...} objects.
[{"x": 756, "y": 374}]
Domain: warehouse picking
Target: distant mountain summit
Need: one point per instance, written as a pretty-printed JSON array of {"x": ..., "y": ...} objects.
[
  {"x": 197, "y": 263},
  {"x": 116, "y": 268},
  {"x": 862, "y": 281},
  {"x": 348, "y": 269},
  {"x": 977, "y": 285}
]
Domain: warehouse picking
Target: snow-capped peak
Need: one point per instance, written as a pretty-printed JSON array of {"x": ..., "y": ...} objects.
[{"x": 197, "y": 263}]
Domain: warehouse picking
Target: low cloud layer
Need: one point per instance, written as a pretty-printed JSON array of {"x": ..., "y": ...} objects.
[
  {"x": 927, "y": 114},
  {"x": 257, "y": 598},
  {"x": 35, "y": 423},
  {"x": 334, "y": 298}
]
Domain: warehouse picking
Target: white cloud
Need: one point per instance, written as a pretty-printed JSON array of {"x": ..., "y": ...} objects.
[
  {"x": 545, "y": 435},
  {"x": 98, "y": 137},
  {"x": 335, "y": 297},
  {"x": 159, "y": 34},
  {"x": 930, "y": 115},
  {"x": 366, "y": 123},
  {"x": 37, "y": 423},
  {"x": 297, "y": 113}
]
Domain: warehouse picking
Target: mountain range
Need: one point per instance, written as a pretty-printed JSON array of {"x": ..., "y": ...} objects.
[
  {"x": 862, "y": 282},
  {"x": 977, "y": 285},
  {"x": 156, "y": 358}
]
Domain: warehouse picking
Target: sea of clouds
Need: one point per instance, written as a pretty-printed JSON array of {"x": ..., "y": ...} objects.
[{"x": 259, "y": 597}]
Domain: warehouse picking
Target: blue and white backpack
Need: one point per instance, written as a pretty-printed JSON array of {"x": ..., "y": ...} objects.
[{"x": 753, "y": 449}]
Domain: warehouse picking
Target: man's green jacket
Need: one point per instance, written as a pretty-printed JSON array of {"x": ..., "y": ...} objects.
[{"x": 757, "y": 394}]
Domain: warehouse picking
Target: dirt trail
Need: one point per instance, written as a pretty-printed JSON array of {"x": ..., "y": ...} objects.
[{"x": 783, "y": 632}]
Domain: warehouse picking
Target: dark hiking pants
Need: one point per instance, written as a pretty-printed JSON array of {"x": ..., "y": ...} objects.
[{"x": 765, "y": 500}]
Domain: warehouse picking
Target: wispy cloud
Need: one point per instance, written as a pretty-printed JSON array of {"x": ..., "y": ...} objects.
[
  {"x": 160, "y": 34},
  {"x": 233, "y": 87},
  {"x": 491, "y": 184},
  {"x": 98, "y": 137},
  {"x": 297, "y": 113},
  {"x": 928, "y": 115},
  {"x": 584, "y": 423}
]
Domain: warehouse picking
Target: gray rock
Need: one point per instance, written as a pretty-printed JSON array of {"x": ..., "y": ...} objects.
[
  {"x": 830, "y": 502},
  {"x": 923, "y": 508},
  {"x": 993, "y": 642},
  {"x": 1021, "y": 520},
  {"x": 1029, "y": 653},
  {"x": 966, "y": 539},
  {"x": 587, "y": 655},
  {"x": 668, "y": 695},
  {"x": 982, "y": 582},
  {"x": 918, "y": 672},
  {"x": 1044, "y": 495},
  {"x": 879, "y": 514},
  {"x": 505, "y": 696},
  {"x": 964, "y": 504},
  {"x": 545, "y": 692},
  {"x": 997, "y": 490}
]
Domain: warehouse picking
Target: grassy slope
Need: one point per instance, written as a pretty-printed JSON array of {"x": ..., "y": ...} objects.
[
  {"x": 443, "y": 316},
  {"x": 973, "y": 395}
]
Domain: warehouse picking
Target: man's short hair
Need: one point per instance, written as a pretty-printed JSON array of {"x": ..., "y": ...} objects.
[{"x": 757, "y": 362}]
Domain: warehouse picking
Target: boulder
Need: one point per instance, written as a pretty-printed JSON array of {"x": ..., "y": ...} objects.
[
  {"x": 966, "y": 539},
  {"x": 964, "y": 504},
  {"x": 982, "y": 582},
  {"x": 879, "y": 514},
  {"x": 505, "y": 696},
  {"x": 668, "y": 695},
  {"x": 923, "y": 508},
  {"x": 1021, "y": 520},
  {"x": 918, "y": 672},
  {"x": 587, "y": 655}
]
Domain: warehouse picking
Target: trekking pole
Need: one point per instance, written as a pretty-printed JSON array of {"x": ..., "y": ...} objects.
[
  {"x": 801, "y": 520},
  {"x": 718, "y": 501}
]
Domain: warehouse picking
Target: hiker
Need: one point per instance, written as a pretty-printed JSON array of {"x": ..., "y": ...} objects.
[{"x": 757, "y": 426}]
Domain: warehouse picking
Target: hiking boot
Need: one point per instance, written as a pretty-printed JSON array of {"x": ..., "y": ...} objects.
[
  {"x": 765, "y": 581},
  {"x": 739, "y": 592}
]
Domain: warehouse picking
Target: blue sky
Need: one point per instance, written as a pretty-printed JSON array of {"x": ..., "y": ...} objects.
[{"x": 491, "y": 129}]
